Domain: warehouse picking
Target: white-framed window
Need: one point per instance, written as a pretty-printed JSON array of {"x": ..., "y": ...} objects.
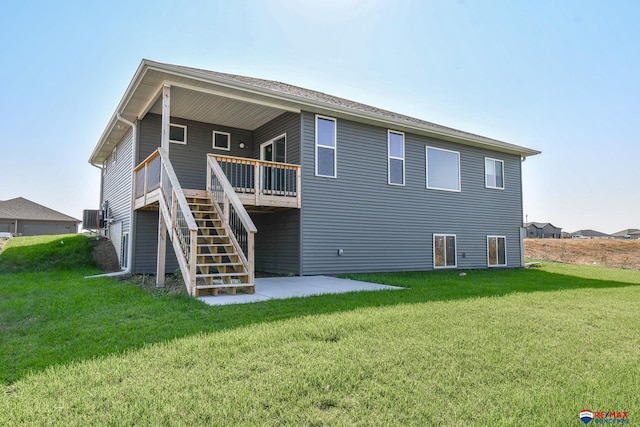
[
  {"x": 124, "y": 250},
  {"x": 221, "y": 140},
  {"x": 496, "y": 251},
  {"x": 444, "y": 251},
  {"x": 326, "y": 146},
  {"x": 177, "y": 134},
  {"x": 493, "y": 173},
  {"x": 274, "y": 150},
  {"x": 114, "y": 155},
  {"x": 395, "y": 149},
  {"x": 443, "y": 169}
]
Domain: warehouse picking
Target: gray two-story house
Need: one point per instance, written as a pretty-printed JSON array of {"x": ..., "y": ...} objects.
[{"x": 237, "y": 174}]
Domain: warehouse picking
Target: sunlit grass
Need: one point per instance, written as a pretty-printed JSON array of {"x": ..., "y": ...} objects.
[{"x": 489, "y": 348}]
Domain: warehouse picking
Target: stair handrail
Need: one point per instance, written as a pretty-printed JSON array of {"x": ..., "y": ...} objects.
[
  {"x": 233, "y": 211},
  {"x": 179, "y": 220}
]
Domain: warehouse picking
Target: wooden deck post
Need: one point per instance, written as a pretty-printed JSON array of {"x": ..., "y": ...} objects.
[
  {"x": 166, "y": 116},
  {"x": 256, "y": 182},
  {"x": 162, "y": 250}
]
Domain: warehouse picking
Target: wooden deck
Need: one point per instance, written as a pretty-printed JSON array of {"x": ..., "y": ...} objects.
[{"x": 277, "y": 184}]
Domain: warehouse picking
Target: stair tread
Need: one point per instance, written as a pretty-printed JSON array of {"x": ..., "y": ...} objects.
[
  {"x": 221, "y": 274},
  {"x": 218, "y": 264},
  {"x": 225, "y": 285}
]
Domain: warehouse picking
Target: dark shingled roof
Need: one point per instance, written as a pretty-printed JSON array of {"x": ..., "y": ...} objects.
[
  {"x": 23, "y": 209},
  {"x": 331, "y": 100}
]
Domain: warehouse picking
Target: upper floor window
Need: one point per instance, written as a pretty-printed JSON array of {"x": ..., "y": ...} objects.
[
  {"x": 396, "y": 157},
  {"x": 221, "y": 140},
  {"x": 494, "y": 173},
  {"x": 497, "y": 251},
  {"x": 443, "y": 169},
  {"x": 326, "y": 136},
  {"x": 177, "y": 134}
]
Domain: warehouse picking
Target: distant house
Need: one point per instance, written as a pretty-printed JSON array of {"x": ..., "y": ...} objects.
[
  {"x": 589, "y": 234},
  {"x": 542, "y": 230},
  {"x": 629, "y": 233},
  {"x": 20, "y": 216}
]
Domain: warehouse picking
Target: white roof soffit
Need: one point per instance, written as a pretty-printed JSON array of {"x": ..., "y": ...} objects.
[{"x": 143, "y": 94}]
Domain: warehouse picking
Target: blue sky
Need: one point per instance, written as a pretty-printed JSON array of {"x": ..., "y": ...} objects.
[{"x": 562, "y": 77}]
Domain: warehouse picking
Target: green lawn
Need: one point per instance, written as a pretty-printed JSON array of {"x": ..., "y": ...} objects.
[{"x": 525, "y": 347}]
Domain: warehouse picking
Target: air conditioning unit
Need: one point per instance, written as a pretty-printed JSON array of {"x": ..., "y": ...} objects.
[{"x": 93, "y": 219}]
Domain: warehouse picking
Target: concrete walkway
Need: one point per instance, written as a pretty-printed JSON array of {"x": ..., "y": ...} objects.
[{"x": 295, "y": 287}]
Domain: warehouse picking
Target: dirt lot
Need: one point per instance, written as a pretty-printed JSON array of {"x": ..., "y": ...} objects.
[{"x": 607, "y": 252}]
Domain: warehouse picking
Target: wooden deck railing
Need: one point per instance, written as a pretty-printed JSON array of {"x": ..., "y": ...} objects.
[
  {"x": 155, "y": 179},
  {"x": 240, "y": 227},
  {"x": 260, "y": 182},
  {"x": 147, "y": 178}
]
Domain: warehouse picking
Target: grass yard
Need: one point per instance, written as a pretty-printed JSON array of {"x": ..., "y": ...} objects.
[{"x": 526, "y": 347}]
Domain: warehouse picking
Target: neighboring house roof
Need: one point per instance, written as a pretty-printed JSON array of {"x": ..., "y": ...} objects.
[
  {"x": 261, "y": 100},
  {"x": 23, "y": 209},
  {"x": 627, "y": 232},
  {"x": 589, "y": 233},
  {"x": 540, "y": 225}
]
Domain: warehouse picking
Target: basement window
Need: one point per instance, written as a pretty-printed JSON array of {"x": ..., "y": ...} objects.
[
  {"x": 178, "y": 134},
  {"x": 497, "y": 251},
  {"x": 444, "y": 251},
  {"x": 221, "y": 140}
]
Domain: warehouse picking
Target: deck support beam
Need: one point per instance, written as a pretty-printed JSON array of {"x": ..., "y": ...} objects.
[{"x": 162, "y": 250}]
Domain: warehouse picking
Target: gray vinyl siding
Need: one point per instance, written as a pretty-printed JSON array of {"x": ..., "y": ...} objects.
[
  {"x": 117, "y": 184},
  {"x": 278, "y": 242},
  {"x": 288, "y": 123},
  {"x": 278, "y": 237},
  {"x": 382, "y": 227},
  {"x": 190, "y": 161},
  {"x": 146, "y": 248}
]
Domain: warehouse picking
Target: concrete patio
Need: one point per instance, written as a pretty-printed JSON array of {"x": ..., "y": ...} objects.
[{"x": 268, "y": 288}]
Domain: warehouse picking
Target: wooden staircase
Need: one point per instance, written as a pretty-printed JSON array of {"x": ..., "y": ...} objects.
[{"x": 218, "y": 264}]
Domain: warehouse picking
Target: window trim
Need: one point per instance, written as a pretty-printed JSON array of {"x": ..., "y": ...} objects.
[
  {"x": 455, "y": 252},
  {"x": 213, "y": 140},
  {"x": 498, "y": 257},
  {"x": 390, "y": 157},
  {"x": 426, "y": 153},
  {"x": 175, "y": 141},
  {"x": 334, "y": 148},
  {"x": 486, "y": 184}
]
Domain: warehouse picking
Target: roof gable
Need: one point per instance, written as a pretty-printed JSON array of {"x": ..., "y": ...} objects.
[{"x": 23, "y": 209}]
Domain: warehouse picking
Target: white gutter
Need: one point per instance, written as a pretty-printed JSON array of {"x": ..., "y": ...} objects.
[{"x": 127, "y": 270}]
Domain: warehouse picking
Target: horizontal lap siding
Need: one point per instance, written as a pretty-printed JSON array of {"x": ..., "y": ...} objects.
[
  {"x": 117, "y": 184},
  {"x": 190, "y": 161},
  {"x": 146, "y": 237},
  {"x": 278, "y": 242},
  {"x": 381, "y": 227},
  {"x": 288, "y": 123},
  {"x": 278, "y": 236}
]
